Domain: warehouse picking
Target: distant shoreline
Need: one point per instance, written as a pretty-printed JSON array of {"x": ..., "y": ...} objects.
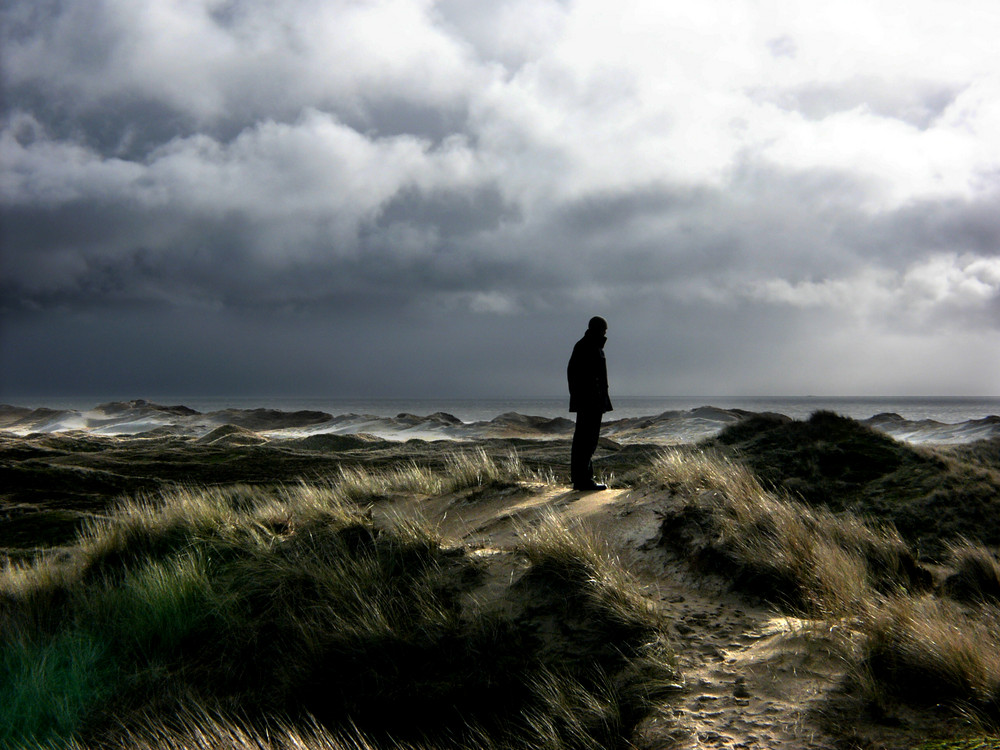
[
  {"x": 946, "y": 409},
  {"x": 935, "y": 421}
]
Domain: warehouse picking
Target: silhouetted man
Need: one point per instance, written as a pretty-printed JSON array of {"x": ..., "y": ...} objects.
[{"x": 588, "y": 397}]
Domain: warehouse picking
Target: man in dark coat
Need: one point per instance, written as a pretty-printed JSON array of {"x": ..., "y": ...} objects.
[{"x": 588, "y": 397}]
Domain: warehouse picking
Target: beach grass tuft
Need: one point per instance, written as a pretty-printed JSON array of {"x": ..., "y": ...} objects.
[
  {"x": 805, "y": 557},
  {"x": 932, "y": 495},
  {"x": 930, "y": 650},
  {"x": 178, "y": 615},
  {"x": 914, "y": 645},
  {"x": 975, "y": 573}
]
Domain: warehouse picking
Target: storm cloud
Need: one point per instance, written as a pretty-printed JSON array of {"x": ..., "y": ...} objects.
[{"x": 418, "y": 198}]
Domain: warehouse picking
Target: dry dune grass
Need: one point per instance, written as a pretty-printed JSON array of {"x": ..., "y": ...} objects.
[
  {"x": 805, "y": 556},
  {"x": 475, "y": 468},
  {"x": 178, "y": 614},
  {"x": 472, "y": 468},
  {"x": 930, "y": 649},
  {"x": 914, "y": 645},
  {"x": 976, "y": 576},
  {"x": 573, "y": 560},
  {"x": 577, "y": 553},
  {"x": 931, "y": 494},
  {"x": 295, "y": 617}
]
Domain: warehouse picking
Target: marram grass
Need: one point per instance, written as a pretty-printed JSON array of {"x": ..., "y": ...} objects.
[
  {"x": 800, "y": 555},
  {"x": 178, "y": 614},
  {"x": 976, "y": 576},
  {"x": 48, "y": 686},
  {"x": 914, "y": 645},
  {"x": 930, "y": 649}
]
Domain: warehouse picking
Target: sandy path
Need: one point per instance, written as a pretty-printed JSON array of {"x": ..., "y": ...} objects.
[{"x": 752, "y": 679}]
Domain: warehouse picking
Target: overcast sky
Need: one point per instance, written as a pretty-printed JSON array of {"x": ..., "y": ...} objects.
[{"x": 413, "y": 198}]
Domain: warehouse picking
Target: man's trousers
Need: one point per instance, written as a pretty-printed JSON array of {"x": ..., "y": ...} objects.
[{"x": 585, "y": 437}]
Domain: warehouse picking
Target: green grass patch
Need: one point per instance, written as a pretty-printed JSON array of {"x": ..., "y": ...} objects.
[{"x": 49, "y": 686}]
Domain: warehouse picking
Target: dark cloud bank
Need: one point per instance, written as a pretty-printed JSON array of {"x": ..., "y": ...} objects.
[{"x": 237, "y": 198}]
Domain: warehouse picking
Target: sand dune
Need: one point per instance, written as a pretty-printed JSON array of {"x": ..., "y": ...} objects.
[
  {"x": 754, "y": 676},
  {"x": 145, "y": 418},
  {"x": 930, "y": 431}
]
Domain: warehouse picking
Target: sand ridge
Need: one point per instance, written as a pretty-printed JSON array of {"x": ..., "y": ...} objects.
[
  {"x": 141, "y": 417},
  {"x": 752, "y": 679}
]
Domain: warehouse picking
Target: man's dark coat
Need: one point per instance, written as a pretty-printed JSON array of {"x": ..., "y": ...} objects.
[{"x": 588, "y": 375}]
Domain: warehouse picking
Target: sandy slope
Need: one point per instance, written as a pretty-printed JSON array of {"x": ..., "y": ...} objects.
[{"x": 753, "y": 679}]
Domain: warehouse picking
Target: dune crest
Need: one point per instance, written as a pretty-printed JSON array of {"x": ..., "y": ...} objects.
[{"x": 140, "y": 417}]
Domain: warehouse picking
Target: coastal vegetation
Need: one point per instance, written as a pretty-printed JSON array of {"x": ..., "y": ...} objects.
[
  {"x": 298, "y": 607},
  {"x": 907, "y": 637},
  {"x": 165, "y": 592},
  {"x": 931, "y": 495}
]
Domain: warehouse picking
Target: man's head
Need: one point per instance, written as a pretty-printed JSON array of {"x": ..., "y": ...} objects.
[{"x": 598, "y": 325}]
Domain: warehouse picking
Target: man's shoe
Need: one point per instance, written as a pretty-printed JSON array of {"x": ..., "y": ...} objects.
[{"x": 589, "y": 487}]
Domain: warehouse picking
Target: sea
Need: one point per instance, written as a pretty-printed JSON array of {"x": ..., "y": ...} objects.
[{"x": 945, "y": 409}]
